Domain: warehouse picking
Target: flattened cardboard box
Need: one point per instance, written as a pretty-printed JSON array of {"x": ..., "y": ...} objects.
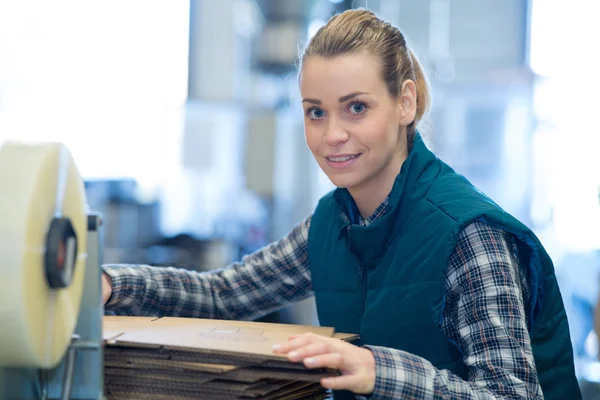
[
  {"x": 255, "y": 338},
  {"x": 251, "y": 341},
  {"x": 204, "y": 372},
  {"x": 210, "y": 350},
  {"x": 261, "y": 390}
]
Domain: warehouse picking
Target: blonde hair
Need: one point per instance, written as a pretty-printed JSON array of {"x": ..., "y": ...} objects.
[{"x": 361, "y": 30}]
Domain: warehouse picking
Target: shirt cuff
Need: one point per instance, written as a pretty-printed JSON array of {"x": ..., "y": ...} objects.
[
  {"x": 399, "y": 374},
  {"x": 122, "y": 277}
]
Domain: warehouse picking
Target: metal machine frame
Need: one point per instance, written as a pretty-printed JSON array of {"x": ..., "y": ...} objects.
[{"x": 80, "y": 374}]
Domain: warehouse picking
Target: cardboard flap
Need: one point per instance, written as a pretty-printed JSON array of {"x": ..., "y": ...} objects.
[{"x": 115, "y": 326}]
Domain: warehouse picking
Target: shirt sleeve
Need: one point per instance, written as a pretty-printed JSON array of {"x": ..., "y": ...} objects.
[
  {"x": 484, "y": 315},
  {"x": 270, "y": 278}
]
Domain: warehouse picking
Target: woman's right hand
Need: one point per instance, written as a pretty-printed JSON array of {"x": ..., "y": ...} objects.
[{"x": 106, "y": 287}]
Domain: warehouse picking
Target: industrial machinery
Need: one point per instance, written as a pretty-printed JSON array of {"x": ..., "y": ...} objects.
[{"x": 50, "y": 285}]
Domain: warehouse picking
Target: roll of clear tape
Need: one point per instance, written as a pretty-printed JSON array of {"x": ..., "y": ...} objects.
[{"x": 38, "y": 182}]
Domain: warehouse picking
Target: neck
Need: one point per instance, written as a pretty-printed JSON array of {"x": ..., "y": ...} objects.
[{"x": 372, "y": 193}]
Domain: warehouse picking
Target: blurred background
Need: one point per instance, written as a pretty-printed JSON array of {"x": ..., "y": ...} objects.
[{"x": 185, "y": 121}]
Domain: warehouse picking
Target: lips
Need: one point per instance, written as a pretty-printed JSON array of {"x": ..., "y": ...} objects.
[
  {"x": 341, "y": 161},
  {"x": 342, "y": 158}
]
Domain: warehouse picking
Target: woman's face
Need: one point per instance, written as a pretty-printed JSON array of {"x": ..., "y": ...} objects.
[{"x": 355, "y": 129}]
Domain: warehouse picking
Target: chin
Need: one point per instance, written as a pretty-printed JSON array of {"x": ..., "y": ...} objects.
[{"x": 342, "y": 182}]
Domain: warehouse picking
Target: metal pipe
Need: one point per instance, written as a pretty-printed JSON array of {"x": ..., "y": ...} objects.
[{"x": 69, "y": 368}]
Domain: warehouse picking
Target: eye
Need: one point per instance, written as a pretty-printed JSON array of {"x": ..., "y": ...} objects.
[
  {"x": 358, "y": 107},
  {"x": 315, "y": 113}
]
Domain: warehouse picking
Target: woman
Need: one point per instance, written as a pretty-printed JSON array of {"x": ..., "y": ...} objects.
[{"x": 452, "y": 297}]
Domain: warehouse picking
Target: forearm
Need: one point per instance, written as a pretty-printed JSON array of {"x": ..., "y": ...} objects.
[
  {"x": 146, "y": 290},
  {"x": 268, "y": 279},
  {"x": 401, "y": 375}
]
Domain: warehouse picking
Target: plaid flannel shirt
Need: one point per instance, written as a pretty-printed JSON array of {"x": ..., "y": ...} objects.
[{"x": 484, "y": 312}]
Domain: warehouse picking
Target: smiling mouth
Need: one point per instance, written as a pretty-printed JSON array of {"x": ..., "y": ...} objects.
[{"x": 342, "y": 159}]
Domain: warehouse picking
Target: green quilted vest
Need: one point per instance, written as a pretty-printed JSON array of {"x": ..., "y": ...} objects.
[{"x": 386, "y": 281}]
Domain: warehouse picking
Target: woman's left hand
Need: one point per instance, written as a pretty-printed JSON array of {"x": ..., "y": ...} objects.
[{"x": 356, "y": 364}]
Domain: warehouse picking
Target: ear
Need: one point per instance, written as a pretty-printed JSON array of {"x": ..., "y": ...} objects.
[{"x": 407, "y": 102}]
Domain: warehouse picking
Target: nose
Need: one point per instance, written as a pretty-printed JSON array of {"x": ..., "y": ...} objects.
[{"x": 336, "y": 134}]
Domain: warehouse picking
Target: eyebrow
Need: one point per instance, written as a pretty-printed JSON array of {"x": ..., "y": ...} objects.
[
  {"x": 350, "y": 96},
  {"x": 341, "y": 99}
]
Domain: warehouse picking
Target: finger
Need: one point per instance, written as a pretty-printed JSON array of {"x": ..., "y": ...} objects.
[
  {"x": 309, "y": 350},
  {"x": 329, "y": 360},
  {"x": 347, "y": 382},
  {"x": 295, "y": 343}
]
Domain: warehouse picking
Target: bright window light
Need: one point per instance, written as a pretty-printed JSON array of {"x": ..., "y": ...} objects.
[
  {"x": 564, "y": 55},
  {"x": 107, "y": 80}
]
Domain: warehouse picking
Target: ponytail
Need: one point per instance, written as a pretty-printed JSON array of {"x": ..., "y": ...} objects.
[{"x": 423, "y": 97}]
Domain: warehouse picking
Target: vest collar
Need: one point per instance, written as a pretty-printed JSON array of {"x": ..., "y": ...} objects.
[{"x": 370, "y": 242}]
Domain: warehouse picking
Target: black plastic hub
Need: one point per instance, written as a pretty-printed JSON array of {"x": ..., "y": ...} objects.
[{"x": 61, "y": 253}]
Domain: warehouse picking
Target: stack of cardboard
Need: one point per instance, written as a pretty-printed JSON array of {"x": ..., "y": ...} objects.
[{"x": 179, "y": 358}]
